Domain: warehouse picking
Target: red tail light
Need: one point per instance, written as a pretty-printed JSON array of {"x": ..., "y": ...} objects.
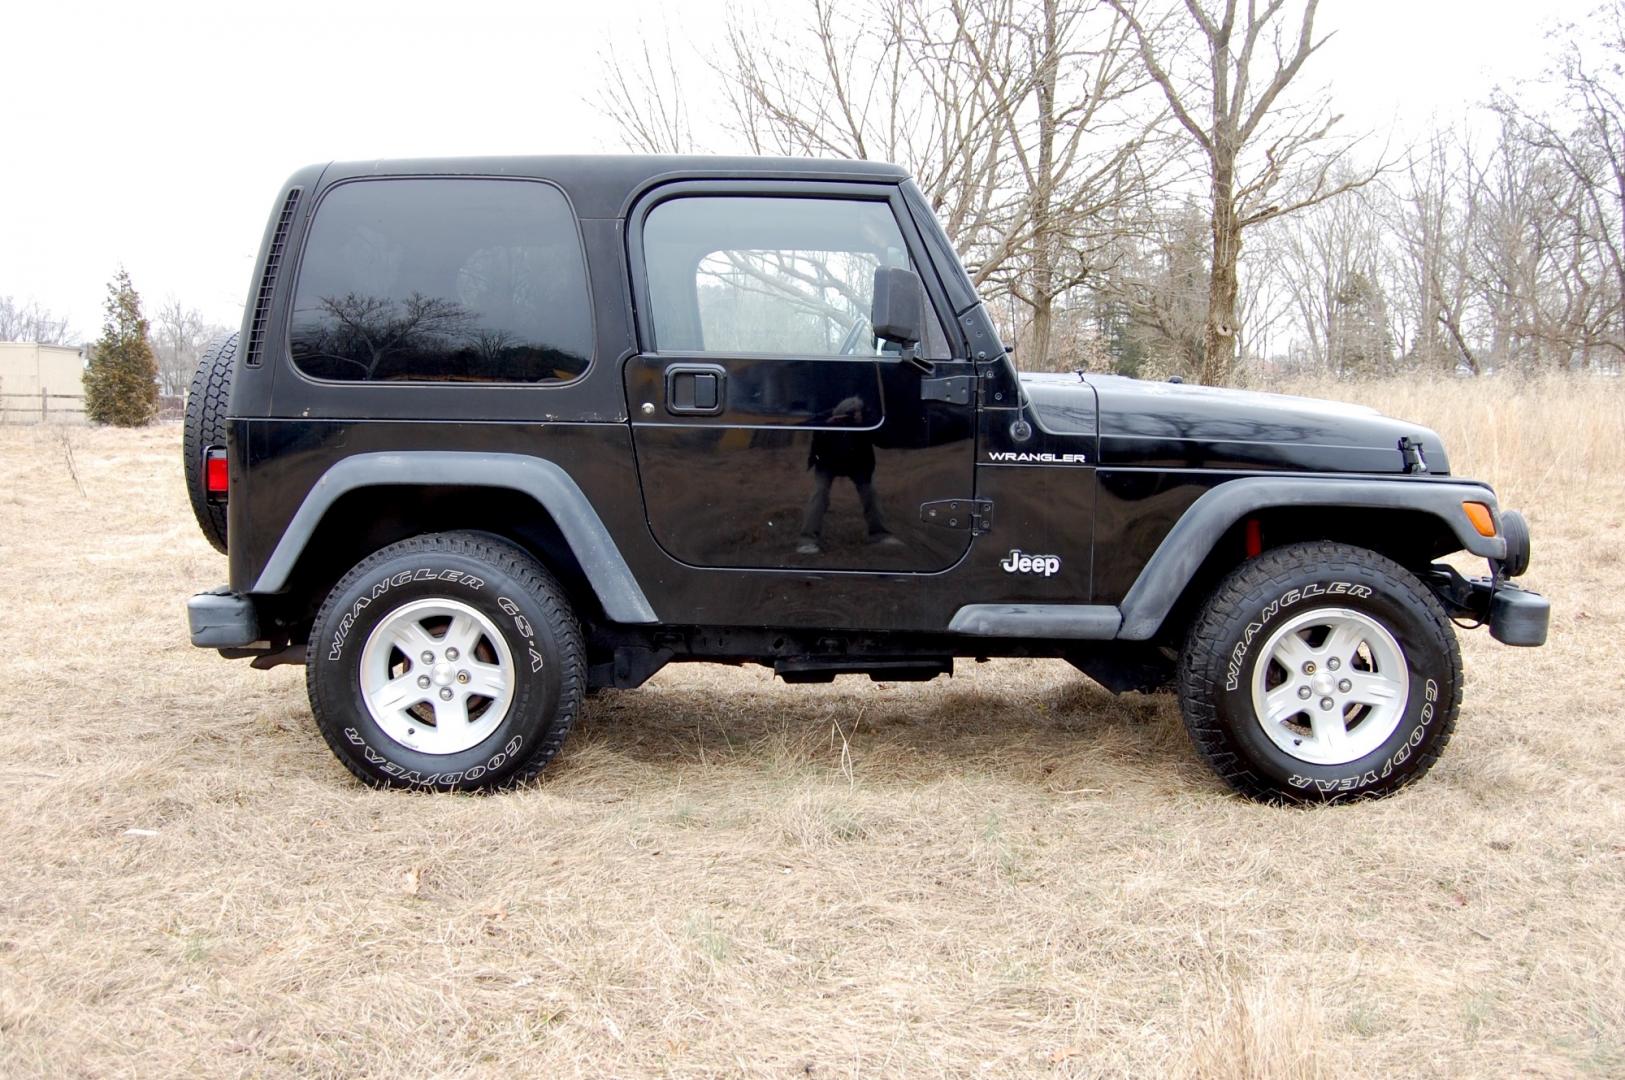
[{"x": 216, "y": 474}]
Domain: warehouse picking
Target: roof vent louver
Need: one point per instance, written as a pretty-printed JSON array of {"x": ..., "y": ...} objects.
[{"x": 273, "y": 258}]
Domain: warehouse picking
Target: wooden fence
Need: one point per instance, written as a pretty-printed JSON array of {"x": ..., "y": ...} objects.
[{"x": 42, "y": 408}]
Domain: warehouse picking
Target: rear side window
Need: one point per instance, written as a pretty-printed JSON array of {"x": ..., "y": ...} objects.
[{"x": 443, "y": 281}]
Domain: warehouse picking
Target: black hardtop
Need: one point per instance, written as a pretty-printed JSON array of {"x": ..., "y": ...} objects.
[{"x": 602, "y": 185}]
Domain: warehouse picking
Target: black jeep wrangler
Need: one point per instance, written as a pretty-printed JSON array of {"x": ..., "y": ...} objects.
[{"x": 497, "y": 432}]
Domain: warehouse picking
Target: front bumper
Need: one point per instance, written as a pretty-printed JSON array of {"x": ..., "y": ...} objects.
[
  {"x": 222, "y": 619},
  {"x": 1514, "y": 615},
  {"x": 1518, "y": 616}
]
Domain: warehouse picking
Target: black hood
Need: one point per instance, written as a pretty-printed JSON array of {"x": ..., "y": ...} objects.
[{"x": 1177, "y": 425}]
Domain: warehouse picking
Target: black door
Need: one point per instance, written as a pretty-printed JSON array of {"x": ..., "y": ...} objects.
[{"x": 771, "y": 428}]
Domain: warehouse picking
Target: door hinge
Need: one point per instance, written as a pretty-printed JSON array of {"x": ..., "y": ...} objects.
[
  {"x": 973, "y": 514},
  {"x": 954, "y": 389}
]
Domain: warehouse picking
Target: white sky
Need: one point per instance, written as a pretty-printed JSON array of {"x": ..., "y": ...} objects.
[{"x": 156, "y": 134}]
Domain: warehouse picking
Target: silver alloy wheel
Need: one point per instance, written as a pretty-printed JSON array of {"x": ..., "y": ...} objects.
[
  {"x": 1330, "y": 686},
  {"x": 437, "y": 676}
]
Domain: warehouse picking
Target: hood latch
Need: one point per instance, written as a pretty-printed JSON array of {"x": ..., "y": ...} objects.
[{"x": 1411, "y": 450}]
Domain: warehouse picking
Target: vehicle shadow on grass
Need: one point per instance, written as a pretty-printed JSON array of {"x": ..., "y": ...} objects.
[{"x": 1055, "y": 733}]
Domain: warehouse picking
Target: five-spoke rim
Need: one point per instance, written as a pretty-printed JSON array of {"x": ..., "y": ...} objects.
[
  {"x": 437, "y": 676},
  {"x": 1330, "y": 686}
]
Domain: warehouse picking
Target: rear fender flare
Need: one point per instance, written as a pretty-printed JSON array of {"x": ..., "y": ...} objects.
[
  {"x": 611, "y": 579},
  {"x": 1188, "y": 543}
]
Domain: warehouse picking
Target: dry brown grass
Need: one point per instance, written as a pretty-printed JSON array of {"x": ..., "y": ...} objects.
[{"x": 1006, "y": 873}]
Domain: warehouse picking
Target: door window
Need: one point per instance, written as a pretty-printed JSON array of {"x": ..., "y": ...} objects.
[{"x": 768, "y": 276}]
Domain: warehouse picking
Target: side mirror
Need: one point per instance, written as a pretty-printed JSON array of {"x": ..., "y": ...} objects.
[{"x": 898, "y": 313}]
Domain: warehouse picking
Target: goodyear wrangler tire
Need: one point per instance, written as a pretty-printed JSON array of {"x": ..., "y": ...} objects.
[
  {"x": 1320, "y": 672},
  {"x": 449, "y": 662},
  {"x": 205, "y": 425}
]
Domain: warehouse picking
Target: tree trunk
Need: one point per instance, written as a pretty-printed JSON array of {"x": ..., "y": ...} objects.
[
  {"x": 1043, "y": 197},
  {"x": 1219, "y": 334},
  {"x": 1040, "y": 334},
  {"x": 1619, "y": 267}
]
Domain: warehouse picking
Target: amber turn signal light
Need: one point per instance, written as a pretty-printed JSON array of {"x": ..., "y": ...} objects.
[{"x": 1479, "y": 514}]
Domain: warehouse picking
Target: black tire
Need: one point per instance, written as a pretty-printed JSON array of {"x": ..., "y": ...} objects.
[
  {"x": 1251, "y": 608},
  {"x": 515, "y": 595},
  {"x": 206, "y": 404}
]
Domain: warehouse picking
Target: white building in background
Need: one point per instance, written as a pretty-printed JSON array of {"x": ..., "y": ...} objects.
[{"x": 29, "y": 370}]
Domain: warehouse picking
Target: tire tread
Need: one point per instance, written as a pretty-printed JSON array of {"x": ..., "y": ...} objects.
[{"x": 208, "y": 400}]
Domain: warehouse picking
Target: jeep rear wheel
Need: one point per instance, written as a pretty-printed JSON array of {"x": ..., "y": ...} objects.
[
  {"x": 448, "y": 662},
  {"x": 1318, "y": 672}
]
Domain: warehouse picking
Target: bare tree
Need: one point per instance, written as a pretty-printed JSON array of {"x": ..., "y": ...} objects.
[
  {"x": 369, "y": 331},
  {"x": 1079, "y": 155},
  {"x": 917, "y": 82},
  {"x": 1057, "y": 140},
  {"x": 31, "y": 322},
  {"x": 648, "y": 103},
  {"x": 1163, "y": 286},
  {"x": 1580, "y": 149},
  {"x": 1266, "y": 307},
  {"x": 179, "y": 335},
  {"x": 1500, "y": 255},
  {"x": 1018, "y": 120},
  {"x": 1431, "y": 228},
  {"x": 1332, "y": 266},
  {"x": 1223, "y": 68},
  {"x": 1511, "y": 193}
]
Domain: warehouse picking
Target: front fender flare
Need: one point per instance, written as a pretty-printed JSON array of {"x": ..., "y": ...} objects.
[
  {"x": 611, "y": 579},
  {"x": 1188, "y": 543}
]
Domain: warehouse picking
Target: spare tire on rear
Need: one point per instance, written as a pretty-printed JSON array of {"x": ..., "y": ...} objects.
[{"x": 206, "y": 405}]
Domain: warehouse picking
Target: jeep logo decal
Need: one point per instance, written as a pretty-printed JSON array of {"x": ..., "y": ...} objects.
[{"x": 1017, "y": 563}]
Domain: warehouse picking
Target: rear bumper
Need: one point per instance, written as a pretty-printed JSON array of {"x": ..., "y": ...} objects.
[{"x": 222, "y": 619}]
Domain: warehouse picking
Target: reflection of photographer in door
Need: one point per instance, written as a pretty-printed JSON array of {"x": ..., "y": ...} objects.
[{"x": 842, "y": 453}]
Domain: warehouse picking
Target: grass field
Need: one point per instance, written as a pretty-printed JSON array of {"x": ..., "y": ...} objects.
[{"x": 1006, "y": 873}]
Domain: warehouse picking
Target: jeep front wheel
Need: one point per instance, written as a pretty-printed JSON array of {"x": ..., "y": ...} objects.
[
  {"x": 447, "y": 662},
  {"x": 1320, "y": 671}
]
